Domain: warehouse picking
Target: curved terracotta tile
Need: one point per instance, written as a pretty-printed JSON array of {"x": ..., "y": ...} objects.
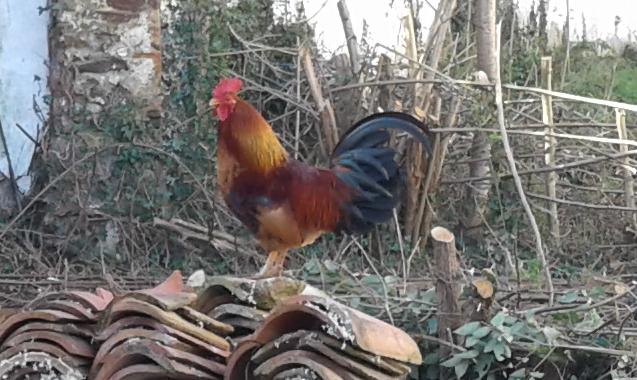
[
  {"x": 212, "y": 297},
  {"x": 48, "y": 348},
  {"x": 142, "y": 372},
  {"x": 311, "y": 341},
  {"x": 71, "y": 344},
  {"x": 18, "y": 319},
  {"x": 239, "y": 364},
  {"x": 130, "y": 306},
  {"x": 231, "y": 309},
  {"x": 94, "y": 302},
  {"x": 85, "y": 331},
  {"x": 17, "y": 361},
  {"x": 125, "y": 335},
  {"x": 149, "y": 323},
  {"x": 129, "y": 322},
  {"x": 172, "y": 361},
  {"x": 173, "y": 284},
  {"x": 342, "y": 322},
  {"x": 71, "y": 307},
  {"x": 298, "y": 358}
]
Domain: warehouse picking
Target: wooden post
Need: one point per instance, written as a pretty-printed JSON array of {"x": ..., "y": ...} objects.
[
  {"x": 550, "y": 145},
  {"x": 448, "y": 285},
  {"x": 629, "y": 181},
  {"x": 414, "y": 149},
  {"x": 476, "y": 197}
]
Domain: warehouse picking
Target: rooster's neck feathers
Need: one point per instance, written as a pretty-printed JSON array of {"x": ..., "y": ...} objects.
[{"x": 251, "y": 140}]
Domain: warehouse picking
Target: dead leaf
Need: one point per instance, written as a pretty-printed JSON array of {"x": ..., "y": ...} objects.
[
  {"x": 419, "y": 112},
  {"x": 484, "y": 288},
  {"x": 620, "y": 289}
]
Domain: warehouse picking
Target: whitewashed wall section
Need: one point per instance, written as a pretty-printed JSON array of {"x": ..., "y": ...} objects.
[{"x": 23, "y": 81}]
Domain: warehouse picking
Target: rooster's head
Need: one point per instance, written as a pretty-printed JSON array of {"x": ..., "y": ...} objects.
[{"x": 224, "y": 97}]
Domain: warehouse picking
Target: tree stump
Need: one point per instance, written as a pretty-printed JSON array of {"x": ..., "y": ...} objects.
[{"x": 448, "y": 285}]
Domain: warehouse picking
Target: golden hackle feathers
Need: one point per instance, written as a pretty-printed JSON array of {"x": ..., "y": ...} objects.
[{"x": 249, "y": 137}]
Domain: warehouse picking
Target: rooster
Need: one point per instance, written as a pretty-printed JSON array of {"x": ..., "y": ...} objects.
[{"x": 288, "y": 204}]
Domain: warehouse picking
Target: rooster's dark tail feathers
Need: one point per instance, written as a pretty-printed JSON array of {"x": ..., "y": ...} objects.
[{"x": 364, "y": 162}]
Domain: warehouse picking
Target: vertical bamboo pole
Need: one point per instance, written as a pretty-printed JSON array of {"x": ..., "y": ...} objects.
[
  {"x": 629, "y": 181},
  {"x": 435, "y": 46},
  {"x": 350, "y": 37},
  {"x": 567, "y": 41},
  {"x": 550, "y": 144},
  {"x": 297, "y": 125}
]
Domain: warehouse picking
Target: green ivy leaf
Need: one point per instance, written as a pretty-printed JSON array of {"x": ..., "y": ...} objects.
[
  {"x": 517, "y": 328},
  {"x": 461, "y": 369},
  {"x": 498, "y": 351},
  {"x": 591, "y": 321},
  {"x": 537, "y": 375},
  {"x": 471, "y": 341},
  {"x": 569, "y": 297},
  {"x": 483, "y": 365},
  {"x": 509, "y": 320},
  {"x": 470, "y": 354},
  {"x": 452, "y": 362},
  {"x": 507, "y": 351},
  {"x": 467, "y": 329},
  {"x": 491, "y": 345},
  {"x": 481, "y": 332},
  {"x": 597, "y": 292},
  {"x": 518, "y": 374},
  {"x": 498, "y": 319}
]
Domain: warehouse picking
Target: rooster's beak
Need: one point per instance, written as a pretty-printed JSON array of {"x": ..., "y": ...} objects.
[{"x": 214, "y": 103}]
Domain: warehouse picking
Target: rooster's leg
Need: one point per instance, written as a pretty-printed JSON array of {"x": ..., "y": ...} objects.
[
  {"x": 273, "y": 265},
  {"x": 278, "y": 266}
]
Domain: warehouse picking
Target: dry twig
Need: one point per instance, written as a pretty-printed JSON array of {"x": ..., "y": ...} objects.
[{"x": 516, "y": 178}]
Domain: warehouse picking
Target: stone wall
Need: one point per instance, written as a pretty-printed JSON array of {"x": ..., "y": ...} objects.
[
  {"x": 105, "y": 55},
  {"x": 106, "y": 48}
]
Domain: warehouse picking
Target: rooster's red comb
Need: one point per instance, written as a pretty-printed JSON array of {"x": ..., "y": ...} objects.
[{"x": 232, "y": 85}]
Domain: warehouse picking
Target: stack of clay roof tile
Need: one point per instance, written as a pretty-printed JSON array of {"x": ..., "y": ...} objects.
[
  {"x": 244, "y": 303},
  {"x": 155, "y": 334},
  {"x": 305, "y": 335},
  {"x": 52, "y": 337},
  {"x": 235, "y": 329}
]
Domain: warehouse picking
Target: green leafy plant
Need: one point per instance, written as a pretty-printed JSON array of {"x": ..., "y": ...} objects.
[{"x": 490, "y": 345}]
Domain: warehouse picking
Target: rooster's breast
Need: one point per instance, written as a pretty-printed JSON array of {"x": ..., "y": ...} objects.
[{"x": 227, "y": 168}]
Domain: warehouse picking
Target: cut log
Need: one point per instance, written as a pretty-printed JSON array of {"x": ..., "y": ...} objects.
[{"x": 448, "y": 285}]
